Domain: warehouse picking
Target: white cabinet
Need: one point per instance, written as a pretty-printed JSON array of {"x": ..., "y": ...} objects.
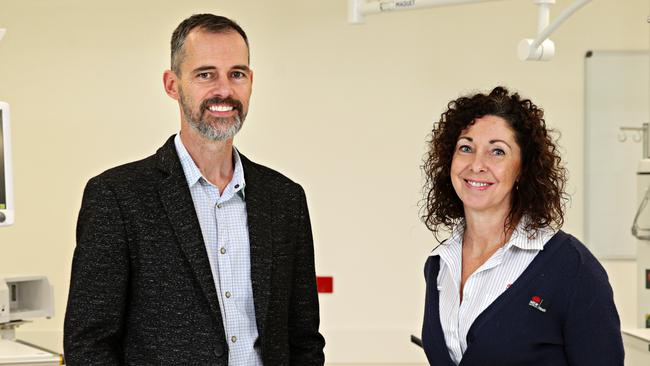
[{"x": 637, "y": 347}]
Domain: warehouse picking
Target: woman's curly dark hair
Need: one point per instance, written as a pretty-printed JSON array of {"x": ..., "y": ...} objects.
[{"x": 540, "y": 192}]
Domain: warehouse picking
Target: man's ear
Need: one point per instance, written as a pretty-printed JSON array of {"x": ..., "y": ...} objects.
[{"x": 170, "y": 82}]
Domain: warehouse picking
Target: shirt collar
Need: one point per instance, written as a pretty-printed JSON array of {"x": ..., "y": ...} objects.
[
  {"x": 193, "y": 174},
  {"x": 456, "y": 239},
  {"x": 520, "y": 238},
  {"x": 238, "y": 182}
]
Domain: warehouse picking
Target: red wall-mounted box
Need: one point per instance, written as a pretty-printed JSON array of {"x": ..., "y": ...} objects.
[{"x": 325, "y": 284}]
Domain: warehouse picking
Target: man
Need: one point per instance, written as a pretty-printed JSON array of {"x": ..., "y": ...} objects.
[{"x": 196, "y": 255}]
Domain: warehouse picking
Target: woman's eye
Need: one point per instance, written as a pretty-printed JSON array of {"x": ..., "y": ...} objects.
[
  {"x": 498, "y": 152},
  {"x": 465, "y": 148}
]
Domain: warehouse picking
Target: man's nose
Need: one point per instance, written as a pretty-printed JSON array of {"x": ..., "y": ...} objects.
[{"x": 222, "y": 87}]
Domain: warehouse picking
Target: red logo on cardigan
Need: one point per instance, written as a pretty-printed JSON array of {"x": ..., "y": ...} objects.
[{"x": 537, "y": 303}]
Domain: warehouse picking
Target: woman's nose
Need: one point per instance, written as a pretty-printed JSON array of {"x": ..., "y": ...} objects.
[{"x": 478, "y": 164}]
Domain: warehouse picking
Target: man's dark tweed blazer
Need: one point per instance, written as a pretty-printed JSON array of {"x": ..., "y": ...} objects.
[{"x": 142, "y": 291}]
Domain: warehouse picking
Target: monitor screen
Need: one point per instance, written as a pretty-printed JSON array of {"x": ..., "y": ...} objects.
[
  {"x": 3, "y": 189},
  {"x": 6, "y": 188}
]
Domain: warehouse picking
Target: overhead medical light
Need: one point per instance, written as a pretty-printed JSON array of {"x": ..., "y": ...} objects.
[{"x": 538, "y": 49}]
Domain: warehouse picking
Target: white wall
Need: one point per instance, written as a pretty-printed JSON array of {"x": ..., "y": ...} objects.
[{"x": 344, "y": 110}]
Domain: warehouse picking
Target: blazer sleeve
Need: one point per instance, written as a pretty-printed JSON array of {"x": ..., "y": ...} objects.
[
  {"x": 592, "y": 331},
  {"x": 94, "y": 320},
  {"x": 305, "y": 341}
]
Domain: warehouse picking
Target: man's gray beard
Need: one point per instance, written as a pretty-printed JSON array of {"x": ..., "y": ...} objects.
[
  {"x": 214, "y": 133},
  {"x": 206, "y": 129}
]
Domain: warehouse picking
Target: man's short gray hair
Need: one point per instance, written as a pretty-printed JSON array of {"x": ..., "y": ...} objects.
[{"x": 208, "y": 22}]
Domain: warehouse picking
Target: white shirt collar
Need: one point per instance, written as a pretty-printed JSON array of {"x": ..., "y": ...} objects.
[
  {"x": 519, "y": 238},
  {"x": 193, "y": 174}
]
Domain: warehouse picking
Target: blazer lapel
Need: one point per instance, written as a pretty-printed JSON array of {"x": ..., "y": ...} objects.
[
  {"x": 259, "y": 209},
  {"x": 177, "y": 200}
]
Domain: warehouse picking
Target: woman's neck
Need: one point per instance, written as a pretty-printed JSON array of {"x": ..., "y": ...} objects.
[{"x": 485, "y": 233}]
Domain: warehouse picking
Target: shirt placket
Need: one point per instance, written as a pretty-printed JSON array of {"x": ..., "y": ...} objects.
[
  {"x": 224, "y": 264},
  {"x": 473, "y": 287},
  {"x": 453, "y": 273},
  {"x": 464, "y": 311}
]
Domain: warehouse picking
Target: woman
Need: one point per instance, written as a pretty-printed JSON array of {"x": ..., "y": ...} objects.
[{"x": 508, "y": 287}]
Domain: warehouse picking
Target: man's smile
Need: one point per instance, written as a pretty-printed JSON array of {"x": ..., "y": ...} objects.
[
  {"x": 222, "y": 107},
  {"x": 222, "y": 110}
]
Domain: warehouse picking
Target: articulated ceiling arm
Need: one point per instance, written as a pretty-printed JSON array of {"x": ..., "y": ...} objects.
[{"x": 540, "y": 48}]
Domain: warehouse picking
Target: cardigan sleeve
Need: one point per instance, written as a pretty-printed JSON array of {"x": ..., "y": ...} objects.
[{"x": 592, "y": 330}]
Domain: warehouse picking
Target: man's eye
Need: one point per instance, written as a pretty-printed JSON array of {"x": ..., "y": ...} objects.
[
  {"x": 204, "y": 75},
  {"x": 238, "y": 74}
]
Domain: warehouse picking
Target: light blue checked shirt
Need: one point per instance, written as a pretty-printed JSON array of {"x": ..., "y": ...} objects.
[{"x": 224, "y": 226}]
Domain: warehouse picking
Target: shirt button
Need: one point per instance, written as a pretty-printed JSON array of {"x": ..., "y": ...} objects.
[
  {"x": 222, "y": 250},
  {"x": 233, "y": 339},
  {"x": 228, "y": 294},
  {"x": 220, "y": 205}
]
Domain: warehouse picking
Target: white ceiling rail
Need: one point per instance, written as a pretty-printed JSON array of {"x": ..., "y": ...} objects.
[{"x": 538, "y": 49}]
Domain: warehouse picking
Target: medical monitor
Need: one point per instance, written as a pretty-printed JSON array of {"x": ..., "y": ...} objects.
[{"x": 6, "y": 179}]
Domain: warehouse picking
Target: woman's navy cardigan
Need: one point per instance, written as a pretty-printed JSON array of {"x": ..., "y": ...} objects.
[{"x": 560, "y": 311}]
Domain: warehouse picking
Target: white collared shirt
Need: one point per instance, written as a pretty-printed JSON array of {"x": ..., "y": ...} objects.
[{"x": 483, "y": 286}]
